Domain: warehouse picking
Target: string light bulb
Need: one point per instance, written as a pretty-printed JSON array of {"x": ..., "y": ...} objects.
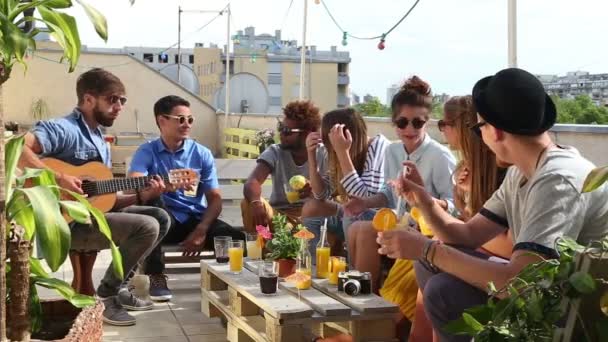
[
  {"x": 381, "y": 45},
  {"x": 344, "y": 36},
  {"x": 317, "y": 2}
]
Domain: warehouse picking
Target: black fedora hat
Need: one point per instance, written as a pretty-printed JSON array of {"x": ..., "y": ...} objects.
[{"x": 514, "y": 101}]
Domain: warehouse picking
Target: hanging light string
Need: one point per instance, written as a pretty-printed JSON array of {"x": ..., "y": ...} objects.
[
  {"x": 221, "y": 12},
  {"x": 286, "y": 15},
  {"x": 382, "y": 37}
]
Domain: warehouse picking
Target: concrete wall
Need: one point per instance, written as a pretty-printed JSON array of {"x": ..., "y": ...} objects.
[
  {"x": 590, "y": 140},
  {"x": 50, "y": 81}
]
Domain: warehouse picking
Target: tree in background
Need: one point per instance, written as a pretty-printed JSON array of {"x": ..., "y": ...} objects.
[
  {"x": 373, "y": 108},
  {"x": 580, "y": 110}
]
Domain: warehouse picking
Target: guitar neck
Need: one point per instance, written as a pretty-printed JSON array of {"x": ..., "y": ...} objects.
[{"x": 114, "y": 185}]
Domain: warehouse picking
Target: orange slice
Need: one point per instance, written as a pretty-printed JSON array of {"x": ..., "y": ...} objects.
[
  {"x": 385, "y": 219},
  {"x": 304, "y": 234},
  {"x": 298, "y": 277}
]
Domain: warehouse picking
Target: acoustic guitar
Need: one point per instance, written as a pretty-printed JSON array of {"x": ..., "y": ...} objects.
[{"x": 99, "y": 184}]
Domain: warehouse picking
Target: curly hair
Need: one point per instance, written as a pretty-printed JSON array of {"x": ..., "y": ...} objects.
[
  {"x": 414, "y": 92},
  {"x": 305, "y": 113}
]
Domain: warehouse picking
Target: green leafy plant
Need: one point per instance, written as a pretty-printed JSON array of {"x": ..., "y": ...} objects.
[
  {"x": 34, "y": 202},
  {"x": 537, "y": 300},
  {"x": 283, "y": 244}
]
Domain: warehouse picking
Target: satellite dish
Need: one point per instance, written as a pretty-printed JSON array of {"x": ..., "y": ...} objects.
[
  {"x": 248, "y": 94},
  {"x": 187, "y": 77}
]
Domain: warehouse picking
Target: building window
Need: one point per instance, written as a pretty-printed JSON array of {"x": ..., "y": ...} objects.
[
  {"x": 148, "y": 57},
  {"x": 175, "y": 58},
  {"x": 191, "y": 59},
  {"x": 163, "y": 58}
]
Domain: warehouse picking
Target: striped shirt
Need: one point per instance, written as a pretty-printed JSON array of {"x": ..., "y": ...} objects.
[{"x": 371, "y": 179}]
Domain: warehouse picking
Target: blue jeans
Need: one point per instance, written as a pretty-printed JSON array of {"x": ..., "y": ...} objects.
[{"x": 337, "y": 224}]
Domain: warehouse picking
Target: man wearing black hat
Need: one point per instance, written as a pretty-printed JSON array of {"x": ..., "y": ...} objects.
[{"x": 539, "y": 201}]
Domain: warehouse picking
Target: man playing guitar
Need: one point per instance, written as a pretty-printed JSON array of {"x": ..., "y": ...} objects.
[{"x": 77, "y": 139}]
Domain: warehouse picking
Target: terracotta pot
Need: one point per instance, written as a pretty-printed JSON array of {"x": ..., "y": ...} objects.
[
  {"x": 62, "y": 322},
  {"x": 287, "y": 267}
]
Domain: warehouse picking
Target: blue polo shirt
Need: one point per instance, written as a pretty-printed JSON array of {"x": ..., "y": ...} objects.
[
  {"x": 71, "y": 140},
  {"x": 153, "y": 158}
]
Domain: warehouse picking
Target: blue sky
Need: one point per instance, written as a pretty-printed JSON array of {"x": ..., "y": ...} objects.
[{"x": 449, "y": 43}]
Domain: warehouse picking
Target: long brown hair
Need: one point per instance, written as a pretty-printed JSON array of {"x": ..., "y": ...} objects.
[
  {"x": 461, "y": 114},
  {"x": 354, "y": 122}
]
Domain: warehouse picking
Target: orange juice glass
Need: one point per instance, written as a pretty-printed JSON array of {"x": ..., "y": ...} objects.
[
  {"x": 336, "y": 265},
  {"x": 235, "y": 253}
]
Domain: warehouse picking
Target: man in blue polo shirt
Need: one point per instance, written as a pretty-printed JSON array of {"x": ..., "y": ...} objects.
[{"x": 194, "y": 212}]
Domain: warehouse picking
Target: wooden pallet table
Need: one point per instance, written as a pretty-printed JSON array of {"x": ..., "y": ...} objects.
[{"x": 290, "y": 314}]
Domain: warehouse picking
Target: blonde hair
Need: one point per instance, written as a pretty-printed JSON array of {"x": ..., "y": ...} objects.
[{"x": 354, "y": 122}]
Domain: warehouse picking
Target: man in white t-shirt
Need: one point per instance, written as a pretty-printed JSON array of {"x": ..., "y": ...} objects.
[{"x": 539, "y": 200}]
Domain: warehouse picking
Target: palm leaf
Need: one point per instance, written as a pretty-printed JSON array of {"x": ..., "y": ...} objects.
[
  {"x": 63, "y": 27},
  {"x": 98, "y": 20},
  {"x": 595, "y": 179},
  {"x": 51, "y": 228}
]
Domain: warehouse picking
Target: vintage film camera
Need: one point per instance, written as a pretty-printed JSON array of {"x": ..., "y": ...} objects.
[{"x": 355, "y": 283}]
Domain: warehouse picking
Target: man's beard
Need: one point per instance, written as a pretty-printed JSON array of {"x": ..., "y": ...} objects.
[
  {"x": 102, "y": 119},
  {"x": 292, "y": 147}
]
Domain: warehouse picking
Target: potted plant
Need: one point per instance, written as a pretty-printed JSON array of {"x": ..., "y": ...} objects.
[
  {"x": 283, "y": 246},
  {"x": 553, "y": 300},
  {"x": 34, "y": 210},
  {"x": 264, "y": 138}
]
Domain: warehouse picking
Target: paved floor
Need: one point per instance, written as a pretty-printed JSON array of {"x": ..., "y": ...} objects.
[{"x": 180, "y": 320}]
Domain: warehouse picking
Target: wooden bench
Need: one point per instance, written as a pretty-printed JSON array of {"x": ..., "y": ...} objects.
[
  {"x": 290, "y": 315},
  {"x": 231, "y": 174}
]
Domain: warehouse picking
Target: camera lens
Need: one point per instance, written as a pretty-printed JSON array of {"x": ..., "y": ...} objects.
[{"x": 352, "y": 287}]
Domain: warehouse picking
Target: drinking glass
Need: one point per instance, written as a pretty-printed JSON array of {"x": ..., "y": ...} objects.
[
  {"x": 254, "y": 250},
  {"x": 235, "y": 254},
  {"x": 221, "y": 245},
  {"x": 269, "y": 276}
]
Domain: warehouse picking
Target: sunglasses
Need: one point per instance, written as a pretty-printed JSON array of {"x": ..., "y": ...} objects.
[
  {"x": 442, "y": 124},
  {"x": 476, "y": 128},
  {"x": 286, "y": 130},
  {"x": 402, "y": 123},
  {"x": 114, "y": 99},
  {"x": 181, "y": 118}
]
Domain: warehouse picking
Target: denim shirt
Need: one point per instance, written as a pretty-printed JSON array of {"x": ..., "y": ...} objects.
[
  {"x": 71, "y": 140},
  {"x": 153, "y": 158},
  {"x": 435, "y": 164}
]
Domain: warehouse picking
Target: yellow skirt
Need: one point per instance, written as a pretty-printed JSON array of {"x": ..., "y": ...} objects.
[{"x": 400, "y": 287}]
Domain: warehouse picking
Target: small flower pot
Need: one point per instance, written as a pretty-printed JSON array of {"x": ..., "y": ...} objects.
[{"x": 287, "y": 267}]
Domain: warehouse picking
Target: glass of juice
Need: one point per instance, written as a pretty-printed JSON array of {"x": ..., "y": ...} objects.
[
  {"x": 269, "y": 277},
  {"x": 292, "y": 195},
  {"x": 336, "y": 265},
  {"x": 221, "y": 245},
  {"x": 235, "y": 254},
  {"x": 254, "y": 250}
]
